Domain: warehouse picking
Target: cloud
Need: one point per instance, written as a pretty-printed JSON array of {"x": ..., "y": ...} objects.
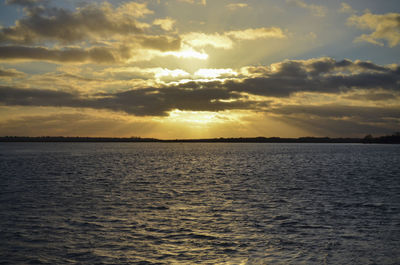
[
  {"x": 93, "y": 33},
  {"x": 235, "y": 6},
  {"x": 139, "y": 102},
  {"x": 378, "y": 95},
  {"x": 157, "y": 73},
  {"x": 187, "y": 52},
  {"x": 346, "y": 8},
  {"x": 216, "y": 40},
  {"x": 316, "y": 10},
  {"x": 9, "y": 73},
  {"x": 77, "y": 55},
  {"x": 28, "y": 3},
  {"x": 215, "y": 73},
  {"x": 384, "y": 27},
  {"x": 280, "y": 81},
  {"x": 200, "y": 2},
  {"x": 65, "y": 26},
  {"x": 104, "y": 34},
  {"x": 108, "y": 34},
  {"x": 130, "y": 9},
  {"x": 257, "y": 33},
  {"x": 34, "y": 97},
  {"x": 166, "y": 24},
  {"x": 161, "y": 43},
  {"x": 190, "y": 96},
  {"x": 226, "y": 40},
  {"x": 322, "y": 75},
  {"x": 169, "y": 75},
  {"x": 142, "y": 47}
]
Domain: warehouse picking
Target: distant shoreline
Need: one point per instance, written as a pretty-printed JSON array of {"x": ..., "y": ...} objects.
[{"x": 389, "y": 139}]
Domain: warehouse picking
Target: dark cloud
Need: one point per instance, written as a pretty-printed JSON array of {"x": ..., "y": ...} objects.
[
  {"x": 90, "y": 24},
  {"x": 287, "y": 79},
  {"x": 140, "y": 102},
  {"x": 95, "y": 54},
  {"x": 58, "y": 24},
  {"x": 323, "y": 75},
  {"x": 159, "y": 101},
  {"x": 326, "y": 65},
  {"x": 284, "y": 86},
  {"x": 373, "y": 96},
  {"x": 162, "y": 43},
  {"x": 370, "y": 66},
  {"x": 36, "y": 97},
  {"x": 28, "y": 3}
]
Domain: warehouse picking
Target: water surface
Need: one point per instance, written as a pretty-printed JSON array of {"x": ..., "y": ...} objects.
[{"x": 198, "y": 203}]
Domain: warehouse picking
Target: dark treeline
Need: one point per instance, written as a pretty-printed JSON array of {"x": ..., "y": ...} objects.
[
  {"x": 390, "y": 139},
  {"x": 274, "y": 140},
  {"x": 73, "y": 139}
]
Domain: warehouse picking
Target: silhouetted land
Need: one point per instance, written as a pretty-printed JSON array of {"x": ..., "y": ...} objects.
[{"x": 389, "y": 139}]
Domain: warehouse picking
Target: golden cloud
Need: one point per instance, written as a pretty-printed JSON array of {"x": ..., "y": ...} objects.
[{"x": 384, "y": 27}]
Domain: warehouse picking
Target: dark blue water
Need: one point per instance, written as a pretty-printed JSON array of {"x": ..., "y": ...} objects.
[{"x": 154, "y": 203}]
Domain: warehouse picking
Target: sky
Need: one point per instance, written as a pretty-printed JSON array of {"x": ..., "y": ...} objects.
[{"x": 173, "y": 69}]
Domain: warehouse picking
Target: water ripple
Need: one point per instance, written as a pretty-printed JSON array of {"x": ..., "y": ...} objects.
[{"x": 149, "y": 203}]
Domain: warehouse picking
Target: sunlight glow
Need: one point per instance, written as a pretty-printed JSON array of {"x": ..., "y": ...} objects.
[
  {"x": 214, "y": 73},
  {"x": 194, "y": 117},
  {"x": 162, "y": 72},
  {"x": 198, "y": 39},
  {"x": 188, "y": 52}
]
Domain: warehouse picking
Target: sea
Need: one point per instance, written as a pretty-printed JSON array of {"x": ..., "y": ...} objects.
[{"x": 199, "y": 203}]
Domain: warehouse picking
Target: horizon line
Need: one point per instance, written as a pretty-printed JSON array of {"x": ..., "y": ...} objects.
[{"x": 394, "y": 138}]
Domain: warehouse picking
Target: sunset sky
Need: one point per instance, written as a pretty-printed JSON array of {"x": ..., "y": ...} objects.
[{"x": 199, "y": 68}]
